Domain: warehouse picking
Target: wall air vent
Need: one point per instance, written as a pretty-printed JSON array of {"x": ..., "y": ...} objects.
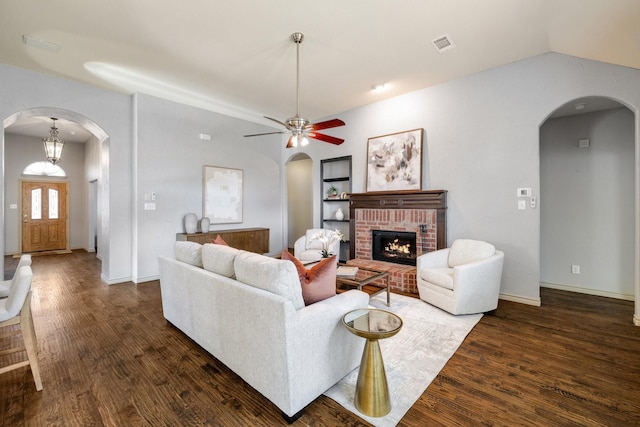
[{"x": 443, "y": 43}]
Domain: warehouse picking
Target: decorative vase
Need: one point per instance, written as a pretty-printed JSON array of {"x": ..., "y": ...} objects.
[
  {"x": 204, "y": 224},
  {"x": 339, "y": 214},
  {"x": 190, "y": 223}
]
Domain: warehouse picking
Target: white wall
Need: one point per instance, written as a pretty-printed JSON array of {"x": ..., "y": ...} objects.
[
  {"x": 587, "y": 204},
  {"x": 23, "y": 90},
  {"x": 299, "y": 202},
  {"x": 169, "y": 161},
  {"x": 92, "y": 178},
  {"x": 481, "y": 143},
  {"x": 21, "y": 151}
]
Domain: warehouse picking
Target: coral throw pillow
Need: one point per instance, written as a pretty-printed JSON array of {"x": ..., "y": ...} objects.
[
  {"x": 319, "y": 281},
  {"x": 219, "y": 241}
]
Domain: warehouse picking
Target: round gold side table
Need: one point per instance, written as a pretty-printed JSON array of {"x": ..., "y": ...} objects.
[{"x": 372, "y": 391}]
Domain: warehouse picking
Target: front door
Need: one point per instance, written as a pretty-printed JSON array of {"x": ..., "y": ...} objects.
[{"x": 44, "y": 216}]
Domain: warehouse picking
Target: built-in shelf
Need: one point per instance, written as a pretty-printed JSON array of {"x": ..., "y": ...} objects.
[{"x": 336, "y": 172}]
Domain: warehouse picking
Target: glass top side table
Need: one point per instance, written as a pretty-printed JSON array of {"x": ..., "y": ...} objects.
[{"x": 372, "y": 390}]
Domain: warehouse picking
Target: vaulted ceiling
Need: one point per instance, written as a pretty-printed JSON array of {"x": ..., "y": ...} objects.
[{"x": 237, "y": 57}]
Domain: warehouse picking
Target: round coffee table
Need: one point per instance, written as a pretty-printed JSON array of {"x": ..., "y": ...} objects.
[{"x": 372, "y": 391}]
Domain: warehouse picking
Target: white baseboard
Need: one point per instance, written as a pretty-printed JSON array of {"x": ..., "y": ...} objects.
[
  {"x": 636, "y": 320},
  {"x": 146, "y": 279},
  {"x": 521, "y": 300},
  {"x": 115, "y": 281},
  {"x": 587, "y": 291}
]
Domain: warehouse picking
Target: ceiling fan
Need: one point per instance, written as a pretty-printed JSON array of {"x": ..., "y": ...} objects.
[{"x": 300, "y": 127}]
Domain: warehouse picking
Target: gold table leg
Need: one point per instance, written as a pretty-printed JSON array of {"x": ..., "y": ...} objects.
[{"x": 372, "y": 391}]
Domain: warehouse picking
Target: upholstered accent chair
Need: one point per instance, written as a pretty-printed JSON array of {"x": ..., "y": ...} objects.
[
  {"x": 306, "y": 249},
  {"x": 462, "y": 279},
  {"x": 16, "y": 310}
]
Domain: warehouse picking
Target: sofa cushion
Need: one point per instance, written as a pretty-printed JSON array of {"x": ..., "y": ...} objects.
[
  {"x": 219, "y": 259},
  {"x": 310, "y": 243},
  {"x": 310, "y": 255},
  {"x": 274, "y": 275},
  {"x": 319, "y": 281},
  {"x": 189, "y": 252},
  {"x": 219, "y": 241},
  {"x": 465, "y": 251},
  {"x": 442, "y": 277}
]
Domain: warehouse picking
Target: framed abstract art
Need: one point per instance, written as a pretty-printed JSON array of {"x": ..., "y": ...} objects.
[
  {"x": 222, "y": 198},
  {"x": 394, "y": 161}
]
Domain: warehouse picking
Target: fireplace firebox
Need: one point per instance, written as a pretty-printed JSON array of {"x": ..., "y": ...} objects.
[{"x": 394, "y": 246}]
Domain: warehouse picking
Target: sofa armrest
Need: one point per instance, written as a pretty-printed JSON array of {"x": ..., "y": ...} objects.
[
  {"x": 435, "y": 259},
  {"x": 327, "y": 310},
  {"x": 320, "y": 350},
  {"x": 299, "y": 246},
  {"x": 479, "y": 280}
]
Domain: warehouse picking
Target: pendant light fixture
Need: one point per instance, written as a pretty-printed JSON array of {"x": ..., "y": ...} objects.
[{"x": 53, "y": 145}]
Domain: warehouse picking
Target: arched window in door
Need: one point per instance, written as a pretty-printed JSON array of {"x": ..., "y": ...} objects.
[{"x": 44, "y": 169}]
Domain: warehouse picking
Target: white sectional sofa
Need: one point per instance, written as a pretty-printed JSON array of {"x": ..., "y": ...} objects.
[{"x": 247, "y": 311}]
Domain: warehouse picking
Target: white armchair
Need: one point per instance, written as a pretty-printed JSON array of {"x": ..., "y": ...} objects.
[
  {"x": 306, "y": 249},
  {"x": 462, "y": 279}
]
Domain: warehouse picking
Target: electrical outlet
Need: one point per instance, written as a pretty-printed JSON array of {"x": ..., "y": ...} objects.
[{"x": 575, "y": 269}]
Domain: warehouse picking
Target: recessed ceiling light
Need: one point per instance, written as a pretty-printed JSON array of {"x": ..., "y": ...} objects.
[
  {"x": 379, "y": 88},
  {"x": 580, "y": 106},
  {"x": 40, "y": 44}
]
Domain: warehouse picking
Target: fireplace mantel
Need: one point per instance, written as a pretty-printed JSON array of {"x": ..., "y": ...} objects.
[{"x": 383, "y": 200}]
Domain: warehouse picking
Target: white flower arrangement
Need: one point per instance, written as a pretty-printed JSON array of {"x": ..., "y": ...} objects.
[{"x": 327, "y": 238}]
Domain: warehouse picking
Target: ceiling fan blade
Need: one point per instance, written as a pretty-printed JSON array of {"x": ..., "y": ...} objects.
[
  {"x": 333, "y": 123},
  {"x": 275, "y": 120},
  {"x": 325, "y": 138},
  {"x": 268, "y": 133},
  {"x": 290, "y": 142}
]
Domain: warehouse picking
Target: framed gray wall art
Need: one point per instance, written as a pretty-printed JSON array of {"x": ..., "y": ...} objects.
[
  {"x": 222, "y": 198},
  {"x": 394, "y": 161}
]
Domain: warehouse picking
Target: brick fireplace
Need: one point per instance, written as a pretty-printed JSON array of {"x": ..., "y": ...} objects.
[{"x": 421, "y": 212}]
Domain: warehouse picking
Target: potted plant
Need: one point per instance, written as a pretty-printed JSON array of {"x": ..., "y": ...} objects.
[{"x": 332, "y": 191}]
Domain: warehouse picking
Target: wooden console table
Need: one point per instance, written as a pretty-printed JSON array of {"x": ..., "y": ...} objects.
[{"x": 248, "y": 239}]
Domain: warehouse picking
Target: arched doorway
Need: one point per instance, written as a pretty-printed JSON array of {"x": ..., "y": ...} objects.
[
  {"x": 588, "y": 173},
  {"x": 299, "y": 196},
  {"x": 29, "y": 126}
]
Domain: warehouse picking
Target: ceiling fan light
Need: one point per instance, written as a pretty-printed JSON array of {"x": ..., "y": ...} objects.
[
  {"x": 304, "y": 141},
  {"x": 294, "y": 140}
]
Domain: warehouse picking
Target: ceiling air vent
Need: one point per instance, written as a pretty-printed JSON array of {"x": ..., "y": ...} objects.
[
  {"x": 443, "y": 43},
  {"x": 40, "y": 44}
]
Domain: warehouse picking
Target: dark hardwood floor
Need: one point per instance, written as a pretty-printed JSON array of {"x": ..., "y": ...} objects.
[{"x": 108, "y": 358}]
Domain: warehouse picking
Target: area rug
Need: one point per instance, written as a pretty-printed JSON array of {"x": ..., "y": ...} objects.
[{"x": 413, "y": 357}]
